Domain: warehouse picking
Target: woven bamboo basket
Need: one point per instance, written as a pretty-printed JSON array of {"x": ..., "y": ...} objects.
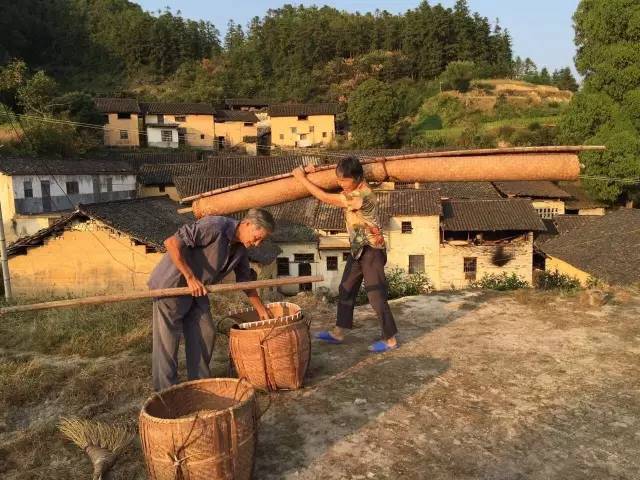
[
  {"x": 200, "y": 430},
  {"x": 272, "y": 354}
]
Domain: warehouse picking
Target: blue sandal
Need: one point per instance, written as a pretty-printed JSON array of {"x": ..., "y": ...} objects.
[
  {"x": 381, "y": 347},
  {"x": 326, "y": 336}
]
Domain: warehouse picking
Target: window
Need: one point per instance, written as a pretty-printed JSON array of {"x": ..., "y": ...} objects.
[
  {"x": 283, "y": 266},
  {"x": 107, "y": 184},
  {"x": 407, "y": 227},
  {"x": 416, "y": 263},
  {"x": 332, "y": 264},
  {"x": 303, "y": 136},
  {"x": 181, "y": 118},
  {"x": 28, "y": 189},
  {"x": 124, "y": 135},
  {"x": 470, "y": 268},
  {"x": 202, "y": 136},
  {"x": 72, "y": 188},
  {"x": 324, "y": 134},
  {"x": 248, "y": 124},
  {"x": 166, "y": 135},
  {"x": 282, "y": 136},
  {"x": 294, "y": 129},
  {"x": 311, "y": 128},
  {"x": 161, "y": 188},
  {"x": 548, "y": 213},
  {"x": 160, "y": 118},
  {"x": 123, "y": 116},
  {"x": 303, "y": 117},
  {"x": 303, "y": 257},
  {"x": 345, "y": 256}
]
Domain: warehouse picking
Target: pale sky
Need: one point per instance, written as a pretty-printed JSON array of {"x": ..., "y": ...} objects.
[{"x": 541, "y": 29}]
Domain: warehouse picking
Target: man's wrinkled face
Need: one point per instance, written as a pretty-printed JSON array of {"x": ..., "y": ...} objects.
[{"x": 251, "y": 235}]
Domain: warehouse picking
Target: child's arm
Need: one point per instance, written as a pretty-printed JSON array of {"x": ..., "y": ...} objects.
[{"x": 320, "y": 194}]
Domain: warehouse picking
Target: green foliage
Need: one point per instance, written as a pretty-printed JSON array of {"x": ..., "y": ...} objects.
[
  {"x": 77, "y": 107},
  {"x": 501, "y": 282},
  {"x": 538, "y": 137},
  {"x": 488, "y": 88},
  {"x": 564, "y": 80},
  {"x": 631, "y": 107},
  {"x": 474, "y": 136},
  {"x": 557, "y": 281},
  {"x": 534, "y": 126},
  {"x": 372, "y": 110},
  {"x": 449, "y": 108},
  {"x": 400, "y": 284},
  {"x": 586, "y": 114},
  {"x": 458, "y": 76}
]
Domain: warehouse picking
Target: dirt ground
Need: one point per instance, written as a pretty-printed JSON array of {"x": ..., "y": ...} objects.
[{"x": 509, "y": 386}]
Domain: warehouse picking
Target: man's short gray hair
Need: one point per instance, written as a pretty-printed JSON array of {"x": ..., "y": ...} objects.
[{"x": 260, "y": 218}]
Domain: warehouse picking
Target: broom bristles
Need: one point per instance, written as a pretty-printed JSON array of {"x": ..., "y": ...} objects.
[{"x": 86, "y": 433}]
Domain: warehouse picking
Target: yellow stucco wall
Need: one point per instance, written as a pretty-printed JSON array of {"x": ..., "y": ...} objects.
[
  {"x": 452, "y": 261},
  {"x": 282, "y": 134},
  {"x": 77, "y": 263},
  {"x": 553, "y": 264},
  {"x": 199, "y": 129},
  {"x": 8, "y": 206},
  {"x": 113, "y": 127},
  {"x": 234, "y": 133},
  {"x": 423, "y": 240},
  {"x": 154, "y": 191}
]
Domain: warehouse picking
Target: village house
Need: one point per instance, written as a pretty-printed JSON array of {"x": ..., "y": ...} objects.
[
  {"x": 170, "y": 125},
  {"x": 36, "y": 192},
  {"x": 546, "y": 197},
  {"x": 602, "y": 248},
  {"x": 157, "y": 179},
  {"x": 580, "y": 202},
  {"x": 247, "y": 104},
  {"x": 122, "y": 121},
  {"x": 303, "y": 125},
  {"x": 116, "y": 244},
  {"x": 237, "y": 130}
]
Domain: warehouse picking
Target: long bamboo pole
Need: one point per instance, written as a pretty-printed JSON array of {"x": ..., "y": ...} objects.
[{"x": 161, "y": 293}]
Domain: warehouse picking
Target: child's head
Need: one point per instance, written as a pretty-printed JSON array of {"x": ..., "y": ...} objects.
[{"x": 349, "y": 173}]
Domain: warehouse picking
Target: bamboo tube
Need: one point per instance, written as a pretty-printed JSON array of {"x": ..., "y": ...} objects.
[
  {"x": 161, "y": 293},
  {"x": 526, "y": 163}
]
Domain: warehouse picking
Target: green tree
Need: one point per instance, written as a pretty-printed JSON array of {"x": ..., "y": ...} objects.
[
  {"x": 607, "y": 110},
  {"x": 564, "y": 80},
  {"x": 372, "y": 112},
  {"x": 458, "y": 76}
]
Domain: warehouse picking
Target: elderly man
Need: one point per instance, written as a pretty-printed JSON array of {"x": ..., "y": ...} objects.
[{"x": 199, "y": 254}]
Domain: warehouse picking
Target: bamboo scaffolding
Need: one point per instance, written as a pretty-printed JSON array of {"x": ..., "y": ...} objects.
[{"x": 161, "y": 293}]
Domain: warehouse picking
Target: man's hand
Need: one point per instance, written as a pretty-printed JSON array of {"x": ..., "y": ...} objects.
[
  {"x": 196, "y": 286},
  {"x": 265, "y": 314},
  {"x": 299, "y": 173}
]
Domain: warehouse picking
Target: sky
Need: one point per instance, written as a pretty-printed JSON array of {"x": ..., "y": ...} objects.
[{"x": 541, "y": 29}]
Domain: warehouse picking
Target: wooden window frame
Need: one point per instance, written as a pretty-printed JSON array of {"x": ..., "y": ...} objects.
[
  {"x": 71, "y": 186},
  {"x": 163, "y": 134},
  {"x": 470, "y": 268},
  {"x": 27, "y": 186},
  {"x": 406, "y": 227},
  {"x": 412, "y": 269},
  {"x": 332, "y": 264},
  {"x": 124, "y": 134},
  {"x": 280, "y": 264}
]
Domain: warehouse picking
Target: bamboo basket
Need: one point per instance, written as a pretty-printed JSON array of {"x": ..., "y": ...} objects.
[
  {"x": 203, "y": 429},
  {"x": 272, "y": 354}
]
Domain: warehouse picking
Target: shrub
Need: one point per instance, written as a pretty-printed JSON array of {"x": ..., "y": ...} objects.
[
  {"x": 447, "y": 107},
  {"x": 554, "y": 104},
  {"x": 400, "y": 284},
  {"x": 485, "y": 87},
  {"x": 501, "y": 282},
  {"x": 458, "y": 76},
  {"x": 534, "y": 126},
  {"x": 505, "y": 132},
  {"x": 557, "y": 281}
]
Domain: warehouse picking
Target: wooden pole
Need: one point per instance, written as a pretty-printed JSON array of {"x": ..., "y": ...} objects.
[
  {"x": 161, "y": 293},
  {"x": 6, "y": 277}
]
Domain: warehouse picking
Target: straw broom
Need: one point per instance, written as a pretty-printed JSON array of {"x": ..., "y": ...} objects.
[{"x": 102, "y": 443}]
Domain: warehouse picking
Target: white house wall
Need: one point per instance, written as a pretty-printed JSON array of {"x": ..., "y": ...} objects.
[{"x": 154, "y": 137}]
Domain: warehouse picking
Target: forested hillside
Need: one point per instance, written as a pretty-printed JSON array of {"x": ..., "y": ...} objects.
[{"x": 291, "y": 53}]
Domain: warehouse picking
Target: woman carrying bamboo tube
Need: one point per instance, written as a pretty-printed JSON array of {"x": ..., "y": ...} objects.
[{"x": 368, "y": 253}]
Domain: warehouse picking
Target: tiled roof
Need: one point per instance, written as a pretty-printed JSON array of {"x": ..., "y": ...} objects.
[
  {"x": 490, "y": 215},
  {"x": 561, "y": 224},
  {"x": 399, "y": 203},
  {"x": 153, "y": 108},
  {"x": 607, "y": 247},
  {"x": 117, "y": 105},
  {"x": 251, "y": 166},
  {"x": 188, "y": 186},
  {"x": 236, "y": 116},
  {"x": 531, "y": 189},
  {"x": 44, "y": 166},
  {"x": 328, "y": 217},
  {"x": 579, "y": 197},
  {"x": 247, "y": 102},
  {"x": 295, "y": 109},
  {"x": 463, "y": 190},
  {"x": 149, "y": 220},
  {"x": 163, "y": 173}
]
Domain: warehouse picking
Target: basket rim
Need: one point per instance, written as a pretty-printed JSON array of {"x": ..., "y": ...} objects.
[
  {"x": 190, "y": 418},
  {"x": 293, "y": 316}
]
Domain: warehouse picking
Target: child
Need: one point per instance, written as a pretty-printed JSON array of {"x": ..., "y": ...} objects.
[{"x": 368, "y": 254}]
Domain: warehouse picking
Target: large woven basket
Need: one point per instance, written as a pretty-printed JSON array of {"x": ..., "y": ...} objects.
[
  {"x": 273, "y": 354},
  {"x": 200, "y": 430}
]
